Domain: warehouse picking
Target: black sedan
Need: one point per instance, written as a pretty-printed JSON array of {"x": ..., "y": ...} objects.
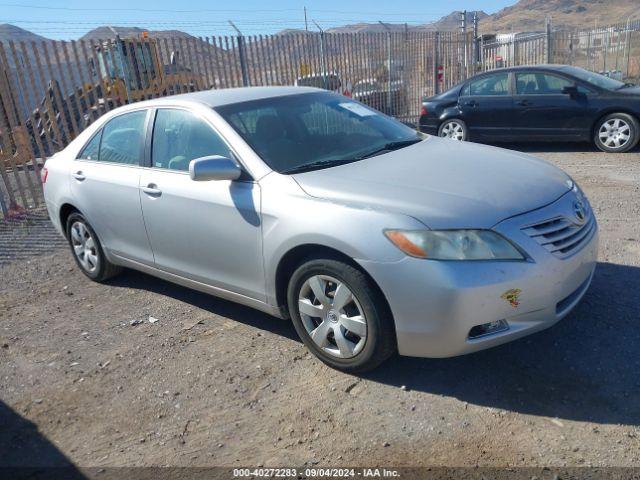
[{"x": 545, "y": 102}]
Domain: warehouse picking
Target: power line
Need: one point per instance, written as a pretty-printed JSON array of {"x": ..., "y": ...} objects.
[{"x": 215, "y": 10}]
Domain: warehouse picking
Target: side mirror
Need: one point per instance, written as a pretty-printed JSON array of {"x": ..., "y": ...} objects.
[
  {"x": 214, "y": 167},
  {"x": 571, "y": 90}
]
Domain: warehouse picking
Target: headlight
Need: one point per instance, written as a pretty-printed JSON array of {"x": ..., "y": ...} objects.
[{"x": 454, "y": 244}]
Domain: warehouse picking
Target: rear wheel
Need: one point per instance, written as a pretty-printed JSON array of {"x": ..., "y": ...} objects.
[
  {"x": 454, "y": 129},
  {"x": 340, "y": 316},
  {"x": 618, "y": 132},
  {"x": 87, "y": 250}
]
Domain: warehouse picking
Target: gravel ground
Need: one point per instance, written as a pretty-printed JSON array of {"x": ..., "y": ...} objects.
[{"x": 214, "y": 383}]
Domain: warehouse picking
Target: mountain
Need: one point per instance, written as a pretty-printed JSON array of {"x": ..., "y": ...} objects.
[
  {"x": 447, "y": 23},
  {"x": 528, "y": 15},
  {"x": 17, "y": 34}
]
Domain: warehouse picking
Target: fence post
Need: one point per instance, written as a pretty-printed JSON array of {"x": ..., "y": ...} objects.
[
  {"x": 388, "y": 64},
  {"x": 323, "y": 65},
  {"x": 474, "y": 46},
  {"x": 549, "y": 52},
  {"x": 436, "y": 63},
  {"x": 628, "y": 47},
  {"x": 243, "y": 62}
]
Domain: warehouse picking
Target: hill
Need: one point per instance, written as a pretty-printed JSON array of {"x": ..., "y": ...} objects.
[
  {"x": 447, "y": 23},
  {"x": 527, "y": 15},
  {"x": 17, "y": 34}
]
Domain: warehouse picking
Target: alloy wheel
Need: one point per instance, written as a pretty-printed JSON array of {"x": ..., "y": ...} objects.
[
  {"x": 84, "y": 247},
  {"x": 453, "y": 130},
  {"x": 614, "y": 133},
  {"x": 332, "y": 316}
]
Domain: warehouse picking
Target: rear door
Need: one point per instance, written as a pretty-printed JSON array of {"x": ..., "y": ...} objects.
[
  {"x": 104, "y": 183},
  {"x": 486, "y": 104},
  {"x": 541, "y": 110}
]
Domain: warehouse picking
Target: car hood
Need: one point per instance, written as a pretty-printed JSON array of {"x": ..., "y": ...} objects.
[{"x": 442, "y": 183}]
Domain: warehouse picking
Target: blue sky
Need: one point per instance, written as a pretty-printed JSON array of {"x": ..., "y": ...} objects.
[{"x": 71, "y": 18}]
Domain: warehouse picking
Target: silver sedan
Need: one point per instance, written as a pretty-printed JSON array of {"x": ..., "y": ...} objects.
[{"x": 307, "y": 205}]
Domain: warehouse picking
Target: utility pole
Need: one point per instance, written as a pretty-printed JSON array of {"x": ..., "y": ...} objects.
[
  {"x": 306, "y": 23},
  {"x": 243, "y": 63}
]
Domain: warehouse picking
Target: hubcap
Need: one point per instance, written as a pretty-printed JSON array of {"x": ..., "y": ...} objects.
[
  {"x": 614, "y": 133},
  {"x": 452, "y": 130},
  {"x": 332, "y": 316},
  {"x": 84, "y": 246}
]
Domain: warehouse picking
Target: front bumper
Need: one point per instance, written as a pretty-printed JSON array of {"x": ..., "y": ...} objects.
[{"x": 435, "y": 304}]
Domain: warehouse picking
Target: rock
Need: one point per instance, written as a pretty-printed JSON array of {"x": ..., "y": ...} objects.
[
  {"x": 135, "y": 322},
  {"x": 386, "y": 444},
  {"x": 152, "y": 319},
  {"x": 404, "y": 388}
]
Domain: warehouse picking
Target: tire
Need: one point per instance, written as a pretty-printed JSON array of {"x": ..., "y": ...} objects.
[
  {"x": 454, "y": 129},
  {"x": 87, "y": 250},
  {"x": 616, "y": 133},
  {"x": 370, "y": 339}
]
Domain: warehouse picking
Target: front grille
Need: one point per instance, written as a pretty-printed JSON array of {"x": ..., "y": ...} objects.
[{"x": 562, "y": 236}]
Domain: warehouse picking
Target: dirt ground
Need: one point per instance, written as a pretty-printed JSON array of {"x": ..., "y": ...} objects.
[{"x": 214, "y": 383}]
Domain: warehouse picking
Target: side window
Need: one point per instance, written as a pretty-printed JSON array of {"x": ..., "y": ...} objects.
[
  {"x": 541, "y": 84},
  {"x": 179, "y": 137},
  {"x": 122, "y": 138},
  {"x": 91, "y": 150},
  {"x": 553, "y": 85},
  {"x": 497, "y": 84}
]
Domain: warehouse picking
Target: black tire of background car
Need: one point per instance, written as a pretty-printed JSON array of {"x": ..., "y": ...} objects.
[{"x": 634, "y": 133}]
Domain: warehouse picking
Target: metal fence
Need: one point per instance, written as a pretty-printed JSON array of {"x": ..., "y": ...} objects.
[
  {"x": 612, "y": 50},
  {"x": 50, "y": 91}
]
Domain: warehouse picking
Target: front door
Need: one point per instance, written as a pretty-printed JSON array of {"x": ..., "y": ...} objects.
[
  {"x": 104, "y": 181},
  {"x": 542, "y": 111},
  {"x": 209, "y": 231},
  {"x": 487, "y": 106}
]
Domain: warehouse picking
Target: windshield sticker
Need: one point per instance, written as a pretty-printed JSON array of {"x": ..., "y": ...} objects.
[{"x": 358, "y": 109}]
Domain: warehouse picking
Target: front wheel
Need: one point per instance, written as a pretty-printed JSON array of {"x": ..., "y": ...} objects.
[
  {"x": 618, "y": 132},
  {"x": 340, "y": 315},
  {"x": 454, "y": 129}
]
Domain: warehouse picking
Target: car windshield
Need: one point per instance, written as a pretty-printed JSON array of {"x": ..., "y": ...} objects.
[
  {"x": 309, "y": 131},
  {"x": 595, "y": 78}
]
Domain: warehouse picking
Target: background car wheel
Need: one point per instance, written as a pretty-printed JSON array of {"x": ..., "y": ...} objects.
[
  {"x": 454, "y": 129},
  {"x": 618, "y": 132},
  {"x": 87, "y": 250},
  {"x": 340, "y": 315}
]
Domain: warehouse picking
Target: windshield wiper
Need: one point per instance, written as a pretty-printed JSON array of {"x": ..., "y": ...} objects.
[
  {"x": 388, "y": 147},
  {"x": 315, "y": 165}
]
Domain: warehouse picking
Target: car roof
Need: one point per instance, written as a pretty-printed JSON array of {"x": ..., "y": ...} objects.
[
  {"x": 226, "y": 96},
  {"x": 545, "y": 67}
]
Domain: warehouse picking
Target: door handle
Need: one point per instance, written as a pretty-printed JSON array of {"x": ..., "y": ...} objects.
[
  {"x": 79, "y": 176},
  {"x": 152, "y": 190},
  {"x": 472, "y": 103},
  {"x": 524, "y": 103}
]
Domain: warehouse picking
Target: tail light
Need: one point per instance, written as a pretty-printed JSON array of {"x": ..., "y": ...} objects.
[
  {"x": 423, "y": 110},
  {"x": 44, "y": 173}
]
